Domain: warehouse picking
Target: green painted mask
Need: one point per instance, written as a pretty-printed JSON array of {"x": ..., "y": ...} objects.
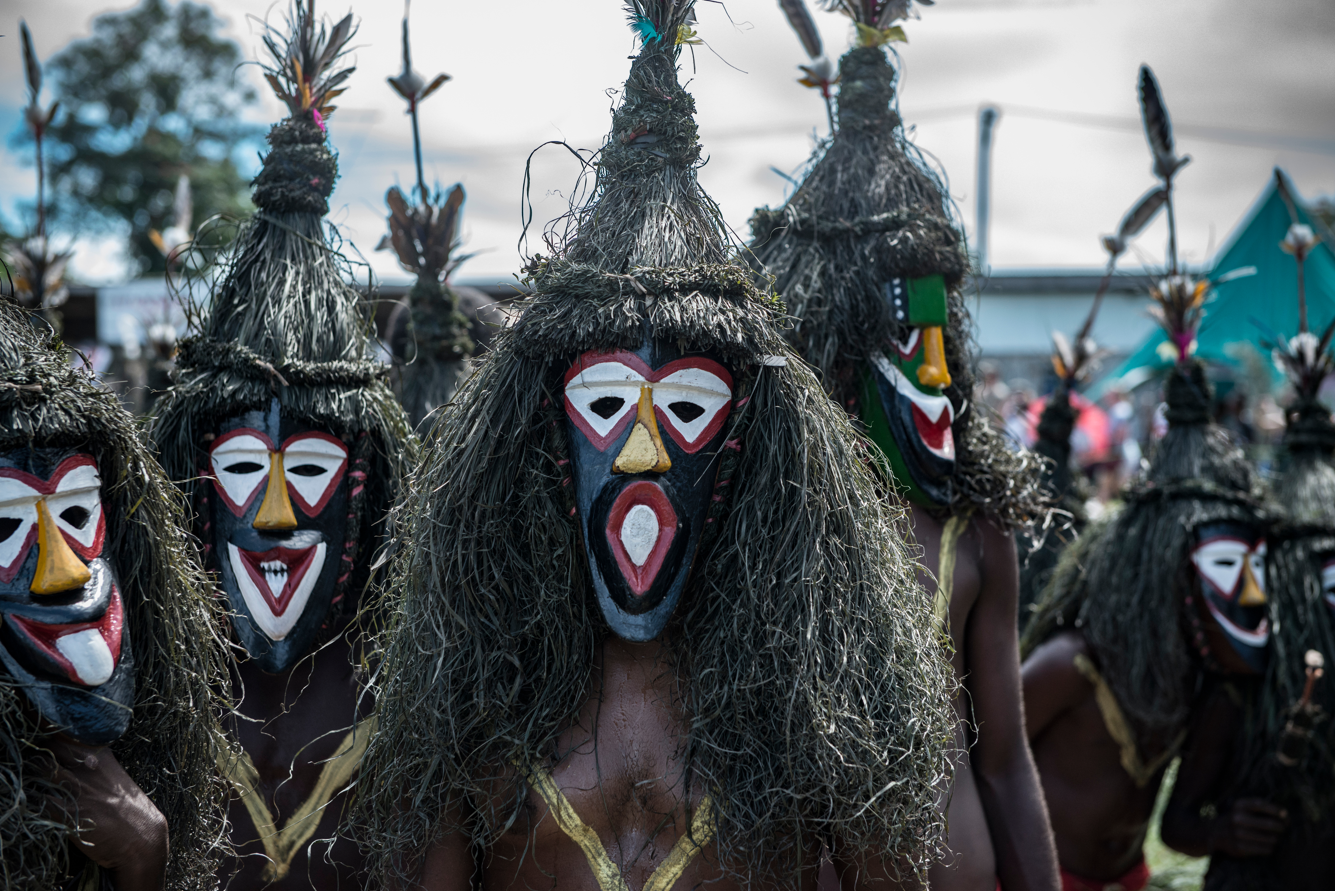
[{"x": 903, "y": 394}]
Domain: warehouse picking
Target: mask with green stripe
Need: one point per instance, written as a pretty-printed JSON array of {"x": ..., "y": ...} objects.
[{"x": 904, "y": 404}]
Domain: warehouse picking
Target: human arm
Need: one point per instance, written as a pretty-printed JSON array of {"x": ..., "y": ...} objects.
[
  {"x": 120, "y": 829},
  {"x": 1248, "y": 827},
  {"x": 1051, "y": 683},
  {"x": 1008, "y": 786}
]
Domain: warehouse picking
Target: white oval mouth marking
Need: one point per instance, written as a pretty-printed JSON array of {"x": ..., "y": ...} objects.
[
  {"x": 639, "y": 533},
  {"x": 89, "y": 655}
]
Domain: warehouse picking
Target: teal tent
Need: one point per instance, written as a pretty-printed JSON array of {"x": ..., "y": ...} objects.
[{"x": 1257, "y": 281}]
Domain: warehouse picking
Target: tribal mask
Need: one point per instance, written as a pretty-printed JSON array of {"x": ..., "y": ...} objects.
[
  {"x": 1230, "y": 564},
  {"x": 62, "y": 635},
  {"x": 642, "y": 496},
  {"x": 279, "y": 519},
  {"x": 903, "y": 395}
]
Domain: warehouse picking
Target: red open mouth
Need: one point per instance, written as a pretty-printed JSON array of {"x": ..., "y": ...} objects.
[
  {"x": 936, "y": 435},
  {"x": 277, "y": 573},
  {"x": 86, "y": 651},
  {"x": 640, "y": 529}
]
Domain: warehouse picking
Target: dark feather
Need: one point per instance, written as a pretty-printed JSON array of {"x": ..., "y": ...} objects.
[
  {"x": 800, "y": 18},
  {"x": 1325, "y": 338},
  {"x": 1138, "y": 217},
  {"x": 436, "y": 84},
  {"x": 1158, "y": 126},
  {"x": 33, "y": 70}
]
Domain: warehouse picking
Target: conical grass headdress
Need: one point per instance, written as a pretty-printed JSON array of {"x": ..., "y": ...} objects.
[
  {"x": 1124, "y": 585},
  {"x": 283, "y": 322},
  {"x": 868, "y": 212},
  {"x": 1289, "y": 749},
  {"x": 171, "y": 745},
  {"x": 816, "y": 702}
]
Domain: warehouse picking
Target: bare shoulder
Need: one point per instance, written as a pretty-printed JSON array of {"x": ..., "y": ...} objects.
[{"x": 1052, "y": 666}]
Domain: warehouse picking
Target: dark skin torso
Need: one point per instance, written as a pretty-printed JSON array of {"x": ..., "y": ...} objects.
[
  {"x": 620, "y": 769},
  {"x": 1099, "y": 816},
  {"x": 296, "y": 722},
  {"x": 998, "y": 824}
]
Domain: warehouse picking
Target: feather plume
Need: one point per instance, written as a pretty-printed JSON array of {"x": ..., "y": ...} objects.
[
  {"x": 1179, "y": 306},
  {"x": 656, "y": 20},
  {"x": 1158, "y": 127},
  {"x": 799, "y": 17},
  {"x": 424, "y": 236},
  {"x": 304, "y": 60},
  {"x": 30, "y": 66}
]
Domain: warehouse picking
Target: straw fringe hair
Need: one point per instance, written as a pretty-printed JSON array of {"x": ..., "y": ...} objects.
[
  {"x": 816, "y": 692},
  {"x": 818, "y": 699},
  {"x": 172, "y": 621},
  {"x": 285, "y": 323},
  {"x": 1123, "y": 583},
  {"x": 870, "y": 210}
]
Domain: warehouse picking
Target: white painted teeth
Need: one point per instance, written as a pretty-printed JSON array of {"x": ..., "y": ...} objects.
[{"x": 275, "y": 574}]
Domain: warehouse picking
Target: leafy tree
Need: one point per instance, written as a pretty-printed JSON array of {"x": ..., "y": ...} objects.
[{"x": 152, "y": 95}]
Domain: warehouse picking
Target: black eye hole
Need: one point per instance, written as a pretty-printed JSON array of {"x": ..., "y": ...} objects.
[
  {"x": 1226, "y": 561},
  {"x": 687, "y": 411},
  {"x": 243, "y": 467},
  {"x": 306, "y": 470},
  {"x": 606, "y": 406},
  {"x": 76, "y": 516},
  {"x": 8, "y": 526}
]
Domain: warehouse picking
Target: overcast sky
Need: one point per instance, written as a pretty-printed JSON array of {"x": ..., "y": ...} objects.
[{"x": 1256, "y": 77}]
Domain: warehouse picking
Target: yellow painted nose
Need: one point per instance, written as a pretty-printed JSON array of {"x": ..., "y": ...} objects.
[
  {"x": 1252, "y": 595},
  {"x": 933, "y": 371},
  {"x": 276, "y": 509},
  {"x": 58, "y": 568},
  {"x": 643, "y": 451}
]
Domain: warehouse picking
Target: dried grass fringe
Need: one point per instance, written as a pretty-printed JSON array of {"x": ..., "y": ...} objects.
[{"x": 173, "y": 623}]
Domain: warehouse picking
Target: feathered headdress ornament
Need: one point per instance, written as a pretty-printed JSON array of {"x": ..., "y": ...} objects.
[
  {"x": 38, "y": 271},
  {"x": 875, "y": 19},
  {"x": 303, "y": 67},
  {"x": 424, "y": 235}
]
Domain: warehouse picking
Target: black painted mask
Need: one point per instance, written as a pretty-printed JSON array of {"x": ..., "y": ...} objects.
[
  {"x": 63, "y": 631},
  {"x": 642, "y": 496},
  {"x": 279, "y": 518},
  {"x": 1230, "y": 564}
]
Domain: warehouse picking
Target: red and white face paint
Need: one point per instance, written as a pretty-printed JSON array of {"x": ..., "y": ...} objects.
[
  {"x": 313, "y": 466},
  {"x": 279, "y": 521},
  {"x": 1229, "y": 559},
  {"x": 643, "y": 497},
  {"x": 59, "y": 598}
]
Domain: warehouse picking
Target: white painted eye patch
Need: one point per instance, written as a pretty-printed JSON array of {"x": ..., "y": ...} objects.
[
  {"x": 1220, "y": 562},
  {"x": 73, "y": 495},
  {"x": 313, "y": 465},
  {"x": 691, "y": 397}
]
